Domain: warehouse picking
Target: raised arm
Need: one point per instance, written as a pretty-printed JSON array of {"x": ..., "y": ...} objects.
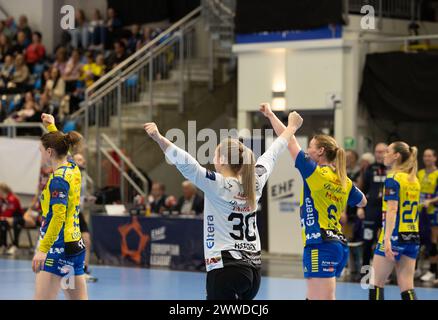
[
  {"x": 204, "y": 179},
  {"x": 279, "y": 127}
]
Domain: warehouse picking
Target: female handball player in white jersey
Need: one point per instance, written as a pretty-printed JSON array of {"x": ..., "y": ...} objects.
[{"x": 231, "y": 239}]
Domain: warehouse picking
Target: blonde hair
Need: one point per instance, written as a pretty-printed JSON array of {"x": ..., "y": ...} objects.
[
  {"x": 5, "y": 188},
  {"x": 408, "y": 159},
  {"x": 241, "y": 161},
  {"x": 334, "y": 154}
]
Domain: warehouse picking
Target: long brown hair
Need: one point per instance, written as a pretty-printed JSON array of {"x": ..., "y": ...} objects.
[
  {"x": 408, "y": 159},
  {"x": 334, "y": 154},
  {"x": 241, "y": 161},
  {"x": 61, "y": 142},
  {"x": 5, "y": 188}
]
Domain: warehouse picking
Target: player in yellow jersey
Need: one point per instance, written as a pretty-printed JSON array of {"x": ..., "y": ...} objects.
[
  {"x": 399, "y": 240},
  {"x": 327, "y": 191},
  {"x": 59, "y": 258},
  {"x": 429, "y": 211}
]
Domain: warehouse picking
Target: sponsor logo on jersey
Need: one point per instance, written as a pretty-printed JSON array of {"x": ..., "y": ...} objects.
[
  {"x": 209, "y": 237},
  {"x": 212, "y": 260},
  {"x": 310, "y": 216},
  {"x": 210, "y": 175},
  {"x": 245, "y": 246}
]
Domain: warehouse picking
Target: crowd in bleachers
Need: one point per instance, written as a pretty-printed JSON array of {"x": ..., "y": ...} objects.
[{"x": 34, "y": 81}]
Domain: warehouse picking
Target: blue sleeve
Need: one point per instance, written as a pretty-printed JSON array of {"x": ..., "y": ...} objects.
[
  {"x": 305, "y": 165},
  {"x": 355, "y": 196},
  {"x": 392, "y": 190},
  {"x": 59, "y": 191}
]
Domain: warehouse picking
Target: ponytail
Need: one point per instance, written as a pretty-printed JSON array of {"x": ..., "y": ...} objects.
[
  {"x": 248, "y": 177},
  {"x": 341, "y": 166},
  {"x": 408, "y": 159},
  {"x": 61, "y": 142}
]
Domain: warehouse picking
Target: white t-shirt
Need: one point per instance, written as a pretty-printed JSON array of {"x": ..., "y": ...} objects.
[{"x": 231, "y": 236}]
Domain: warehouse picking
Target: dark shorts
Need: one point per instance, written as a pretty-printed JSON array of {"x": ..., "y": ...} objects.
[
  {"x": 83, "y": 225},
  {"x": 233, "y": 283},
  {"x": 325, "y": 260}
]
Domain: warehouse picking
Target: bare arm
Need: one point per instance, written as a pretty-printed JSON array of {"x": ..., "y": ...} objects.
[{"x": 279, "y": 127}]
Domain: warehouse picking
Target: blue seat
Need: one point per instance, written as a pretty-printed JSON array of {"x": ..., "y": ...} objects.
[
  {"x": 132, "y": 81},
  {"x": 69, "y": 125}
]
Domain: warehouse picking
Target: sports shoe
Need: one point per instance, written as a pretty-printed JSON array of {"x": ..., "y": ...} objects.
[
  {"x": 12, "y": 251},
  {"x": 428, "y": 276}
]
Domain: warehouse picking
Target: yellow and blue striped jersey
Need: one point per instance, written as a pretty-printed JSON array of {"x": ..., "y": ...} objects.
[
  {"x": 399, "y": 188},
  {"x": 60, "y": 205},
  {"x": 429, "y": 188},
  {"x": 323, "y": 200}
]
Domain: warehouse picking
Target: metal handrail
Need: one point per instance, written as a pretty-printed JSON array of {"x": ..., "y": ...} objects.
[
  {"x": 144, "y": 49},
  {"x": 125, "y": 161},
  {"x": 14, "y": 127},
  {"x": 403, "y": 38}
]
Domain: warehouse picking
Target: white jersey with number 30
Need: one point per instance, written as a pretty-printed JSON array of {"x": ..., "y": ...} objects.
[{"x": 230, "y": 226}]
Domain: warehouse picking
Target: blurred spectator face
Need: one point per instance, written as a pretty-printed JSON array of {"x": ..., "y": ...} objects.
[
  {"x": 380, "y": 151},
  {"x": 100, "y": 60},
  {"x": 4, "y": 190},
  {"x": 9, "y": 21},
  {"x": 96, "y": 15},
  {"x": 135, "y": 29},
  {"x": 76, "y": 56},
  {"x": 3, "y": 39},
  {"x": 351, "y": 157},
  {"x": 147, "y": 33},
  {"x": 366, "y": 160},
  {"x": 80, "y": 15},
  {"x": 54, "y": 73},
  {"x": 22, "y": 21},
  {"x": 21, "y": 37},
  {"x": 79, "y": 160},
  {"x": 118, "y": 48},
  {"x": 36, "y": 38},
  {"x": 89, "y": 58},
  {"x": 157, "y": 190},
  {"x": 28, "y": 97},
  {"x": 9, "y": 60},
  {"x": 111, "y": 13},
  {"x": 61, "y": 54},
  {"x": 188, "y": 190},
  {"x": 19, "y": 60},
  {"x": 429, "y": 158},
  {"x": 44, "y": 99}
]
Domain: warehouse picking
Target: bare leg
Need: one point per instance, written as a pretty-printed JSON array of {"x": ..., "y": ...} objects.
[
  {"x": 405, "y": 269},
  {"x": 321, "y": 288},
  {"x": 382, "y": 268},
  {"x": 47, "y": 286},
  {"x": 80, "y": 289}
]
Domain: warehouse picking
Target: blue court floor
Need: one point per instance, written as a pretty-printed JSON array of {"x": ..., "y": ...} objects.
[{"x": 17, "y": 282}]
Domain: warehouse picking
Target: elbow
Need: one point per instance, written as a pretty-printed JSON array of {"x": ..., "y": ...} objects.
[{"x": 363, "y": 203}]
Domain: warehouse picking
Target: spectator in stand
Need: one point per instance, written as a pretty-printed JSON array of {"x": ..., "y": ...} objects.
[
  {"x": 61, "y": 59},
  {"x": 147, "y": 37},
  {"x": 20, "y": 76},
  {"x": 5, "y": 47},
  {"x": 372, "y": 184},
  {"x": 6, "y": 70},
  {"x": 135, "y": 38},
  {"x": 28, "y": 111},
  {"x": 91, "y": 71},
  {"x": 21, "y": 44},
  {"x": 11, "y": 215},
  {"x": 55, "y": 86},
  {"x": 80, "y": 34},
  {"x": 23, "y": 26},
  {"x": 113, "y": 26},
  {"x": 100, "y": 66},
  {"x": 45, "y": 105},
  {"x": 72, "y": 71},
  {"x": 191, "y": 203},
  {"x": 97, "y": 31},
  {"x": 157, "y": 198},
  {"x": 35, "y": 52},
  {"x": 10, "y": 29},
  {"x": 118, "y": 55}
]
